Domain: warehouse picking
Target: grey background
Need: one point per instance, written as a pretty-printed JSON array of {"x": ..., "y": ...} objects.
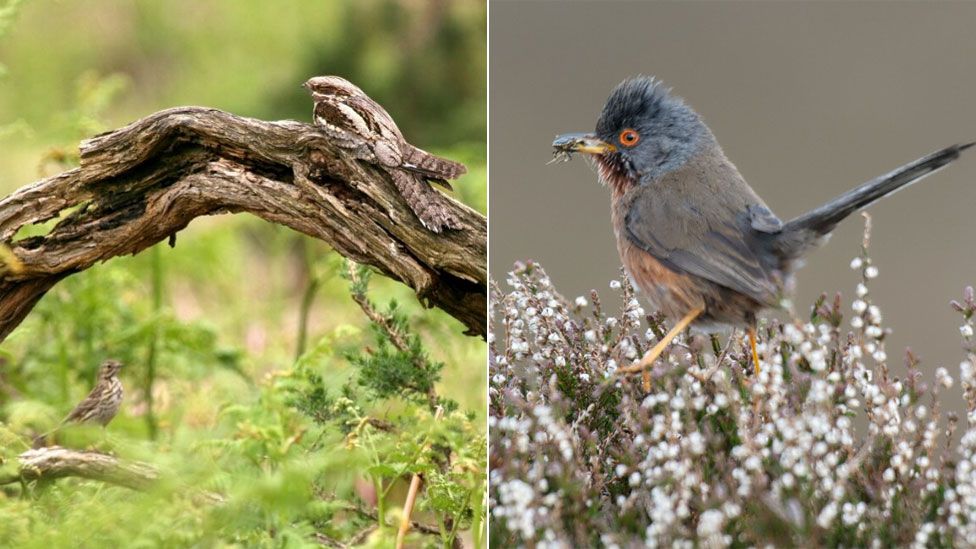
[{"x": 807, "y": 99}]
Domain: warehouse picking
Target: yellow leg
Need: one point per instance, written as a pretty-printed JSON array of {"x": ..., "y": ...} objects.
[
  {"x": 657, "y": 349},
  {"x": 752, "y": 344}
]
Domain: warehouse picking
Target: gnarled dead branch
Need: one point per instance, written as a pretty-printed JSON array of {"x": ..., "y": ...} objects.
[
  {"x": 143, "y": 183},
  {"x": 55, "y": 462}
]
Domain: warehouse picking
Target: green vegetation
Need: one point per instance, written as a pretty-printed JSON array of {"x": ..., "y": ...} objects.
[{"x": 256, "y": 447}]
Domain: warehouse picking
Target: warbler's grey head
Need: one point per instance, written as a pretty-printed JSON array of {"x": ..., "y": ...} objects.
[
  {"x": 109, "y": 369},
  {"x": 643, "y": 132},
  {"x": 321, "y": 86}
]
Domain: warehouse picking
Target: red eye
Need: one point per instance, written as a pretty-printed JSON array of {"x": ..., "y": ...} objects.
[{"x": 629, "y": 137}]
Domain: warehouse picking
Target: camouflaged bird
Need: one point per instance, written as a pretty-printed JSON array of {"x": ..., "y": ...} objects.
[
  {"x": 360, "y": 125},
  {"x": 100, "y": 406}
]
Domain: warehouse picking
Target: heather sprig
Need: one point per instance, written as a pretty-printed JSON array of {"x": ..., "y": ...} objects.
[{"x": 833, "y": 443}]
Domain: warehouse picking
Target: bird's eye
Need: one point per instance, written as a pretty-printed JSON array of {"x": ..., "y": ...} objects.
[{"x": 629, "y": 137}]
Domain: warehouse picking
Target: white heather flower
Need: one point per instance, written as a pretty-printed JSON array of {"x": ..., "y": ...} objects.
[
  {"x": 943, "y": 378},
  {"x": 581, "y": 302},
  {"x": 871, "y": 272},
  {"x": 731, "y": 509},
  {"x": 787, "y": 480},
  {"x": 710, "y": 525},
  {"x": 966, "y": 372},
  {"x": 696, "y": 443},
  {"x": 793, "y": 334},
  {"x": 818, "y": 361},
  {"x": 857, "y": 322},
  {"x": 966, "y": 330},
  {"x": 827, "y": 515},
  {"x": 590, "y": 336},
  {"x": 856, "y": 263},
  {"x": 875, "y": 313},
  {"x": 880, "y": 356},
  {"x": 615, "y": 284},
  {"x": 634, "y": 480},
  {"x": 859, "y": 306},
  {"x": 862, "y": 290}
]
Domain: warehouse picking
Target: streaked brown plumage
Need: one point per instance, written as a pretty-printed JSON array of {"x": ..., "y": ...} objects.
[
  {"x": 104, "y": 400},
  {"x": 359, "y": 124},
  {"x": 102, "y": 403}
]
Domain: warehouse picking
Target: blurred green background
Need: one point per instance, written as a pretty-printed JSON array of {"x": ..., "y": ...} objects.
[{"x": 218, "y": 316}]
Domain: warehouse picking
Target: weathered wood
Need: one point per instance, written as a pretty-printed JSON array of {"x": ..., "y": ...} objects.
[
  {"x": 144, "y": 182},
  {"x": 55, "y": 462}
]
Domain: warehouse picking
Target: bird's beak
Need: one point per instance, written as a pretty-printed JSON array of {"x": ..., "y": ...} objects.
[{"x": 581, "y": 143}]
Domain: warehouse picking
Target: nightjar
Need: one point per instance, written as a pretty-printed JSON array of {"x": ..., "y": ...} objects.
[{"x": 360, "y": 125}]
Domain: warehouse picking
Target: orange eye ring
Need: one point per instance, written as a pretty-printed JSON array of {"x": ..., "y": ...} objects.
[{"x": 629, "y": 137}]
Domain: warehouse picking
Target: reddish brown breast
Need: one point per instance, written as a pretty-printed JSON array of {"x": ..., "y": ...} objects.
[{"x": 667, "y": 291}]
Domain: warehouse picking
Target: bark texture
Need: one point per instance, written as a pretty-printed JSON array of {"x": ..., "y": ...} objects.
[
  {"x": 145, "y": 182},
  {"x": 55, "y": 462}
]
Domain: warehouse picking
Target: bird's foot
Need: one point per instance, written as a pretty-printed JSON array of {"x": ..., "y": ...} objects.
[{"x": 645, "y": 363}]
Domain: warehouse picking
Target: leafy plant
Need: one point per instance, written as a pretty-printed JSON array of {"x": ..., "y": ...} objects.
[{"x": 426, "y": 435}]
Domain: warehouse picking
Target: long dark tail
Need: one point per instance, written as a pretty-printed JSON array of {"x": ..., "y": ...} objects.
[{"x": 806, "y": 231}]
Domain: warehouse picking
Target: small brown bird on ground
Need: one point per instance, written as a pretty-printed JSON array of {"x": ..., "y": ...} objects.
[
  {"x": 101, "y": 404},
  {"x": 357, "y": 123},
  {"x": 700, "y": 244}
]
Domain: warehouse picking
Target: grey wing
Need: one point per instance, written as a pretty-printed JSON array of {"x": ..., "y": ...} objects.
[{"x": 727, "y": 247}]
